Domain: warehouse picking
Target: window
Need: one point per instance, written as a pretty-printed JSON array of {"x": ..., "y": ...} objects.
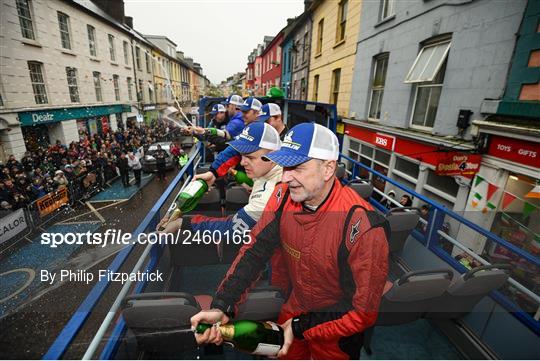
[
  {"x": 92, "y": 40},
  {"x": 126, "y": 53},
  {"x": 112, "y": 50},
  {"x": 140, "y": 91},
  {"x": 377, "y": 86},
  {"x": 387, "y": 9},
  {"x": 320, "y": 30},
  {"x": 63, "y": 23},
  {"x": 150, "y": 93},
  {"x": 316, "y": 88},
  {"x": 138, "y": 58},
  {"x": 97, "y": 86},
  {"x": 303, "y": 88},
  {"x": 147, "y": 60},
  {"x": 428, "y": 62},
  {"x": 305, "y": 48},
  {"x": 407, "y": 167},
  {"x": 129, "y": 84},
  {"x": 342, "y": 20},
  {"x": 116, "y": 87},
  {"x": 1, "y": 101},
  {"x": 71, "y": 74},
  {"x": 289, "y": 60},
  {"x": 428, "y": 72},
  {"x": 25, "y": 19},
  {"x": 38, "y": 82},
  {"x": 336, "y": 74}
]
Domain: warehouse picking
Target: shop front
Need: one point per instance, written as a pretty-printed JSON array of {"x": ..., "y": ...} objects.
[
  {"x": 44, "y": 127},
  {"x": 150, "y": 114},
  {"x": 413, "y": 163}
]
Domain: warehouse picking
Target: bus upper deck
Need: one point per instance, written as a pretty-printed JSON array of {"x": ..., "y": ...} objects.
[{"x": 491, "y": 311}]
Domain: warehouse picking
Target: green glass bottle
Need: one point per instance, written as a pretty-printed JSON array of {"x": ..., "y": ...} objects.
[
  {"x": 241, "y": 177},
  {"x": 187, "y": 200},
  {"x": 253, "y": 337}
]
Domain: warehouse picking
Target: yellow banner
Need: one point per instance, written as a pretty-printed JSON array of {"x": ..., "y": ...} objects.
[{"x": 52, "y": 201}]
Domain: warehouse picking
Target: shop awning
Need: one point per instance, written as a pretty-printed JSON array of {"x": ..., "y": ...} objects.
[{"x": 428, "y": 63}]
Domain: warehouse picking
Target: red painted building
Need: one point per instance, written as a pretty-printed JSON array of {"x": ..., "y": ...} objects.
[
  {"x": 250, "y": 71},
  {"x": 271, "y": 64}
]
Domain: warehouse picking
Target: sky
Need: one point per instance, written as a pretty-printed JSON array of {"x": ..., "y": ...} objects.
[{"x": 218, "y": 34}]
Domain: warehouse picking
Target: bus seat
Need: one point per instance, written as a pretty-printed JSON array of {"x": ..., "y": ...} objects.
[
  {"x": 412, "y": 295},
  {"x": 236, "y": 197},
  {"x": 363, "y": 188},
  {"x": 467, "y": 290},
  {"x": 408, "y": 298},
  {"x": 402, "y": 221},
  {"x": 262, "y": 304},
  {"x": 209, "y": 204}
]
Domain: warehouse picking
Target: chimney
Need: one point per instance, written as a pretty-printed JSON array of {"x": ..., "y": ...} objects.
[
  {"x": 128, "y": 20},
  {"x": 307, "y": 4},
  {"x": 114, "y": 8}
]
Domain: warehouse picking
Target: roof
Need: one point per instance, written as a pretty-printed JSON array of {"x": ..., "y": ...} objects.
[{"x": 160, "y": 37}]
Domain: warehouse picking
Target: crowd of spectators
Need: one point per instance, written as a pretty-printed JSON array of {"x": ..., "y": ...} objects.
[{"x": 82, "y": 166}]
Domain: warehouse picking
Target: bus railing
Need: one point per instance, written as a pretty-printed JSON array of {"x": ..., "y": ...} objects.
[{"x": 517, "y": 297}]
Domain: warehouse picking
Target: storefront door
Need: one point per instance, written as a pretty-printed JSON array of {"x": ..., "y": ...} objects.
[{"x": 36, "y": 136}]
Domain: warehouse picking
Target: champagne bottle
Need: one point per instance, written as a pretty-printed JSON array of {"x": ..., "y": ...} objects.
[
  {"x": 241, "y": 177},
  {"x": 256, "y": 338},
  {"x": 187, "y": 200}
]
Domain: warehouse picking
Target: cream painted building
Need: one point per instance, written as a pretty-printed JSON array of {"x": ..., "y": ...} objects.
[
  {"x": 65, "y": 68},
  {"x": 333, "y": 50}
]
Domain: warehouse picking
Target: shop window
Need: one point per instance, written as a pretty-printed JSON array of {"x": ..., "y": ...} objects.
[
  {"x": 367, "y": 151},
  {"x": 382, "y": 157},
  {"x": 387, "y": 9},
  {"x": 342, "y": 21},
  {"x": 444, "y": 184},
  {"x": 409, "y": 168},
  {"x": 63, "y": 23},
  {"x": 73, "y": 88},
  {"x": 126, "y": 53},
  {"x": 112, "y": 49},
  {"x": 25, "y": 19},
  {"x": 92, "y": 40},
  {"x": 377, "y": 86},
  {"x": 427, "y": 73},
  {"x": 138, "y": 58},
  {"x": 38, "y": 82},
  {"x": 97, "y": 85},
  {"x": 336, "y": 75},
  {"x": 116, "y": 88}
]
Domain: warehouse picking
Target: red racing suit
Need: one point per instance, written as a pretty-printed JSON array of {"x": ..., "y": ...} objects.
[{"x": 335, "y": 260}]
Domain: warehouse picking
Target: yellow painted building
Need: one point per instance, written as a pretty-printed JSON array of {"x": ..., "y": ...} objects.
[{"x": 333, "y": 49}]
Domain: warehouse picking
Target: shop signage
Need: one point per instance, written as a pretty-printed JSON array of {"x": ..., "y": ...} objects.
[
  {"x": 11, "y": 225},
  {"x": 454, "y": 163},
  {"x": 52, "y": 201},
  {"x": 149, "y": 107},
  {"x": 384, "y": 141},
  {"x": 58, "y": 115},
  {"x": 515, "y": 150}
]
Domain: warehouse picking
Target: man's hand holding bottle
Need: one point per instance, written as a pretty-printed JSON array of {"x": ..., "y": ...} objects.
[
  {"x": 213, "y": 317},
  {"x": 170, "y": 227},
  {"x": 208, "y": 177}
]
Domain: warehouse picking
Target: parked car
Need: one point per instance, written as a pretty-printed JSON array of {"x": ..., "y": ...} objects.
[{"x": 148, "y": 161}]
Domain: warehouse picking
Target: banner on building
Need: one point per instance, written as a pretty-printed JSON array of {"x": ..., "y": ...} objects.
[
  {"x": 52, "y": 201},
  {"x": 11, "y": 225},
  {"x": 455, "y": 164}
]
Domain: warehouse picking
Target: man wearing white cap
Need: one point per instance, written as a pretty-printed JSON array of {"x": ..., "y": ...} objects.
[
  {"x": 255, "y": 141},
  {"x": 229, "y": 158},
  {"x": 334, "y": 246}
]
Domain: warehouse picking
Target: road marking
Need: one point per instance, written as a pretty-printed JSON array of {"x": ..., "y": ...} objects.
[
  {"x": 92, "y": 211},
  {"x": 31, "y": 275},
  {"x": 89, "y": 205}
]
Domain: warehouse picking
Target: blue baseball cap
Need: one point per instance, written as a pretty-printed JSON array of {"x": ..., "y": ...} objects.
[
  {"x": 304, "y": 142},
  {"x": 233, "y": 99},
  {"x": 256, "y": 136},
  {"x": 251, "y": 103},
  {"x": 267, "y": 111},
  {"x": 218, "y": 108}
]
